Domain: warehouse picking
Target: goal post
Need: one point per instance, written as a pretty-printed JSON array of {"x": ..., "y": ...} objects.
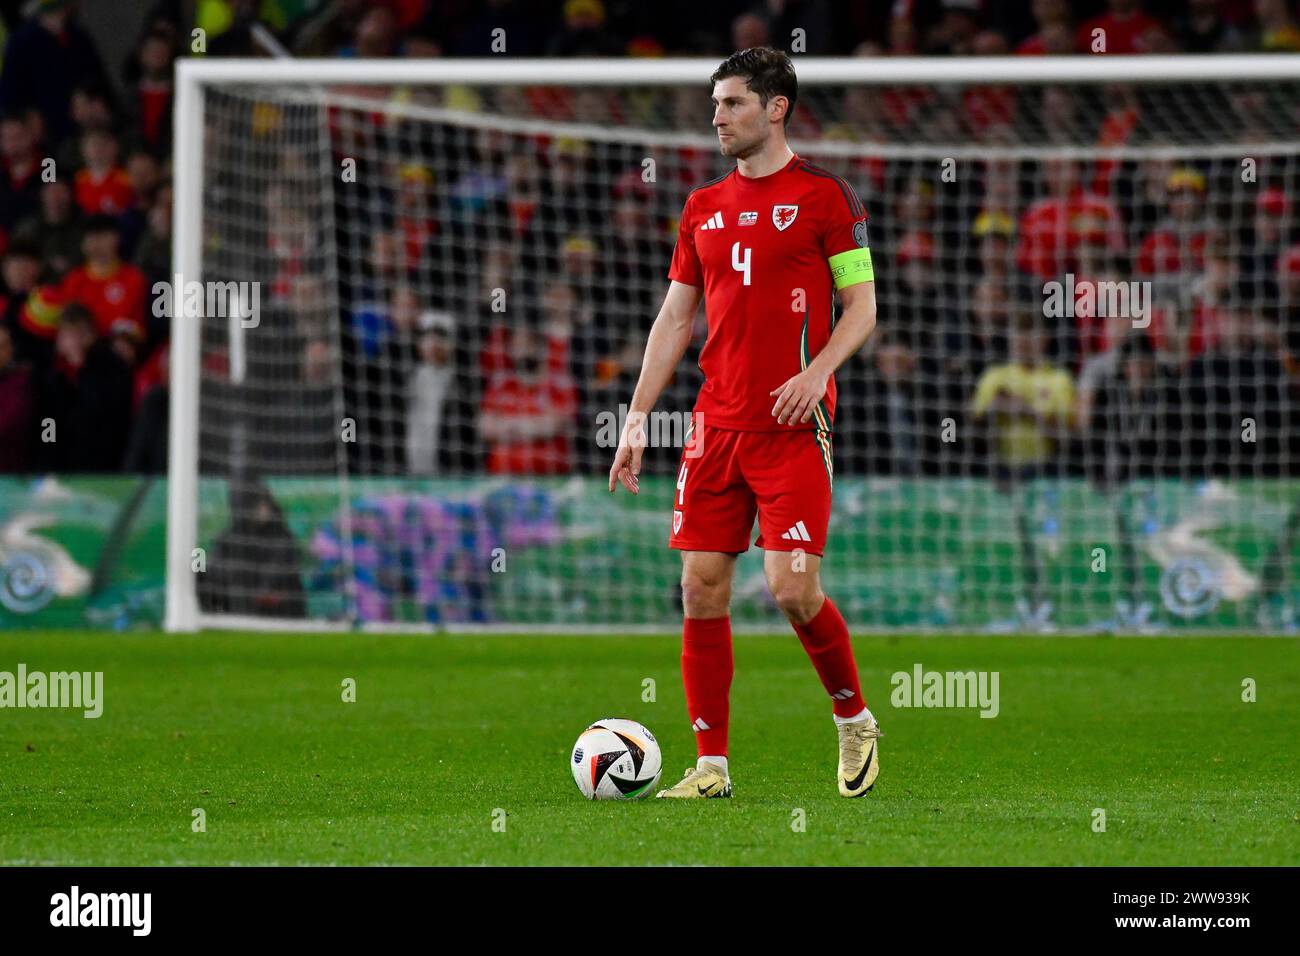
[
  {"x": 181, "y": 608},
  {"x": 306, "y": 303}
]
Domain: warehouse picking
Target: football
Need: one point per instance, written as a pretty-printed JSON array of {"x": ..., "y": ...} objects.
[{"x": 616, "y": 759}]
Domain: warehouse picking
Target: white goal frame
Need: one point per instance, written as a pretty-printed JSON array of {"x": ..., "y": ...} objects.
[{"x": 193, "y": 76}]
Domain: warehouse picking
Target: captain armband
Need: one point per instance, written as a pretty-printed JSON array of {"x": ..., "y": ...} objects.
[{"x": 850, "y": 268}]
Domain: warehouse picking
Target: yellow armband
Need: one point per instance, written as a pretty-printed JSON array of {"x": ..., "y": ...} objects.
[{"x": 850, "y": 268}]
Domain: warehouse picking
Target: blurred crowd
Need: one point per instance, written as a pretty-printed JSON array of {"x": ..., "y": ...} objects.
[
  {"x": 1175, "y": 315},
  {"x": 495, "y": 285},
  {"x": 85, "y": 231}
]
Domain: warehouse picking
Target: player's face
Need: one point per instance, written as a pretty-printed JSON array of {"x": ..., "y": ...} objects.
[{"x": 740, "y": 119}]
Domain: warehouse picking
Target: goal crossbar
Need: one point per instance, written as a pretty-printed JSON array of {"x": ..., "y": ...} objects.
[{"x": 812, "y": 70}]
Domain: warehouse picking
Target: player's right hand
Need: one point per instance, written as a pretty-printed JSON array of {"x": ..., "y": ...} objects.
[{"x": 627, "y": 460}]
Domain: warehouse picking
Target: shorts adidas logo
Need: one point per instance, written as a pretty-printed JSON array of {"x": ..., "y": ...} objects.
[
  {"x": 715, "y": 221},
  {"x": 797, "y": 533},
  {"x": 700, "y": 724}
]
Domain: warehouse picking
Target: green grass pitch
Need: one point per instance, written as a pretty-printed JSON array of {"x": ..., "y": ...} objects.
[{"x": 448, "y": 730}]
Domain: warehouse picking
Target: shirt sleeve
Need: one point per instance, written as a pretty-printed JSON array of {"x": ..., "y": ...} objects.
[
  {"x": 844, "y": 236},
  {"x": 686, "y": 267}
]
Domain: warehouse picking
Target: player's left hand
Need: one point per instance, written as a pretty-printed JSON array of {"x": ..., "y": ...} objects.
[{"x": 798, "y": 396}]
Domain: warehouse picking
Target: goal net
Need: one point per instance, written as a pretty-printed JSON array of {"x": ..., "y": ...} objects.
[{"x": 411, "y": 300}]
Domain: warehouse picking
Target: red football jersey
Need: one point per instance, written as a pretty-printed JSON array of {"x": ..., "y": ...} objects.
[
  {"x": 119, "y": 295},
  {"x": 509, "y": 395},
  {"x": 759, "y": 247},
  {"x": 110, "y": 193}
]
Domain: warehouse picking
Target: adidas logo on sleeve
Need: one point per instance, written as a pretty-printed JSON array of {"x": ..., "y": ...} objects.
[{"x": 715, "y": 221}]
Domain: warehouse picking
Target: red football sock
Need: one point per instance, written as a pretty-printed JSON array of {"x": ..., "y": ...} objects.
[
  {"x": 826, "y": 639},
  {"x": 707, "y": 667}
]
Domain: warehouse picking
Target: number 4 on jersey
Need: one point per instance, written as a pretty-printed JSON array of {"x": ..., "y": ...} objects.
[{"x": 740, "y": 264}]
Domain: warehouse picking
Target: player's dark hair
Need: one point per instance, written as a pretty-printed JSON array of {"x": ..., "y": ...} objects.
[{"x": 767, "y": 72}]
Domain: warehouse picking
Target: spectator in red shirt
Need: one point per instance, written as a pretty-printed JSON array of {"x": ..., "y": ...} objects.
[
  {"x": 416, "y": 222},
  {"x": 102, "y": 186},
  {"x": 1125, "y": 28},
  {"x": 1046, "y": 237},
  {"x": 1177, "y": 244},
  {"x": 110, "y": 288},
  {"x": 528, "y": 411}
]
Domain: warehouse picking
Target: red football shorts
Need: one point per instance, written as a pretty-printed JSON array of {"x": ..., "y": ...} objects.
[{"x": 726, "y": 477}]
